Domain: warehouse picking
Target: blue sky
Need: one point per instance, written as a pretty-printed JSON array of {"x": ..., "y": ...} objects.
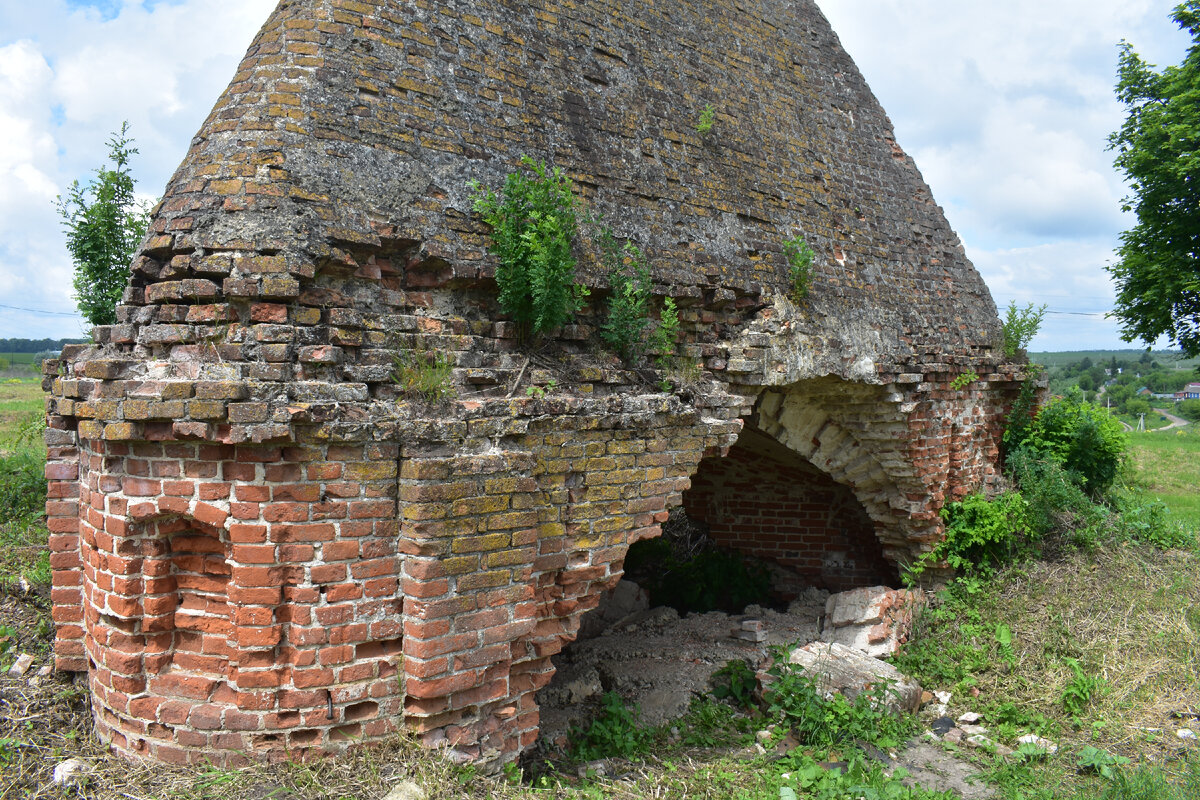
[{"x": 1006, "y": 108}]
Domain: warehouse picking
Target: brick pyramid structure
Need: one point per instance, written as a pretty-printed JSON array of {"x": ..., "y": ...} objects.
[{"x": 263, "y": 547}]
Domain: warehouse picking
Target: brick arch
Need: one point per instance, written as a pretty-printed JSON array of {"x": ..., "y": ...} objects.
[
  {"x": 857, "y": 434},
  {"x": 766, "y": 500}
]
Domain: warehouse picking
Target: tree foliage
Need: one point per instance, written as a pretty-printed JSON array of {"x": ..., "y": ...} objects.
[
  {"x": 104, "y": 224},
  {"x": 1158, "y": 149}
]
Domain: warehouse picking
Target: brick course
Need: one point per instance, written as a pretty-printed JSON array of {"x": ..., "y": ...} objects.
[{"x": 262, "y": 548}]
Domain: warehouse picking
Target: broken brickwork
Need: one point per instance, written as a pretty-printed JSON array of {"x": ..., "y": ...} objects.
[{"x": 262, "y": 548}]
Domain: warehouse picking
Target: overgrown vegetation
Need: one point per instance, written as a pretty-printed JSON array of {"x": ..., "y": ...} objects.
[
  {"x": 708, "y": 116},
  {"x": 625, "y": 328},
  {"x": 534, "y": 223}
]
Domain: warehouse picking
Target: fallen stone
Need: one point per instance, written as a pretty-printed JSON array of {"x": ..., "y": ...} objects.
[
  {"x": 875, "y": 620},
  {"x": 941, "y": 726},
  {"x": 954, "y": 736},
  {"x": 408, "y": 790},
  {"x": 21, "y": 665},
  {"x": 1034, "y": 741},
  {"x": 931, "y": 766},
  {"x": 619, "y": 603},
  {"x": 751, "y": 630},
  {"x": 840, "y": 668},
  {"x": 973, "y": 730},
  {"x": 73, "y": 772},
  {"x": 969, "y": 718},
  {"x": 1186, "y": 733},
  {"x": 45, "y": 671}
]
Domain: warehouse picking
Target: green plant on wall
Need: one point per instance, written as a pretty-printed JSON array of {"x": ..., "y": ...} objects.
[
  {"x": 800, "y": 259},
  {"x": 1019, "y": 327},
  {"x": 964, "y": 380},
  {"x": 534, "y": 224},
  {"x": 424, "y": 375},
  {"x": 629, "y": 305},
  {"x": 708, "y": 117},
  {"x": 665, "y": 334}
]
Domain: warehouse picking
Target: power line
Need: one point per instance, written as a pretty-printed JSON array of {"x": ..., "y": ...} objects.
[{"x": 39, "y": 311}]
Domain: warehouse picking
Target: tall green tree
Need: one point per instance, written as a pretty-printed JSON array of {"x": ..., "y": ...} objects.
[
  {"x": 104, "y": 225},
  {"x": 1158, "y": 148}
]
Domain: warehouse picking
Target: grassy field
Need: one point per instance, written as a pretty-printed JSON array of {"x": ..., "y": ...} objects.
[
  {"x": 20, "y": 399},
  {"x": 1168, "y": 467}
]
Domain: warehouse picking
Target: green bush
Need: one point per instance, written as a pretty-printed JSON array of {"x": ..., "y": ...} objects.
[
  {"x": 1086, "y": 439},
  {"x": 982, "y": 533},
  {"x": 800, "y": 259},
  {"x": 1189, "y": 409},
  {"x": 1055, "y": 501},
  {"x": 534, "y": 224},
  {"x": 665, "y": 334}
]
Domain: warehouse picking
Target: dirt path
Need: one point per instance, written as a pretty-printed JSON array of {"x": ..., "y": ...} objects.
[{"x": 1176, "y": 422}]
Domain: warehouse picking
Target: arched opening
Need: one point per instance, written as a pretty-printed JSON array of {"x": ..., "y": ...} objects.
[{"x": 767, "y": 501}]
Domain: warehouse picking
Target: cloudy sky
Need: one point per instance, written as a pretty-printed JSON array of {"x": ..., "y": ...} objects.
[{"x": 1006, "y": 108}]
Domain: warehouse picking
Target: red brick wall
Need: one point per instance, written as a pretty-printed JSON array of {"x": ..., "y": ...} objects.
[{"x": 763, "y": 500}]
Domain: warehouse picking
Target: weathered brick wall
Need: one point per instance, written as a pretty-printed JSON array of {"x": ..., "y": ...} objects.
[{"x": 262, "y": 547}]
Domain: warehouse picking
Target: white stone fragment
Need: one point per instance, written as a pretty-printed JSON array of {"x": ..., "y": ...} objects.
[
  {"x": 1045, "y": 745},
  {"x": 21, "y": 665},
  {"x": 408, "y": 790},
  {"x": 1186, "y": 733},
  {"x": 969, "y": 718},
  {"x": 72, "y": 772}
]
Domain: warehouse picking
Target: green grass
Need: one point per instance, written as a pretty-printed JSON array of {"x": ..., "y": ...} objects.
[
  {"x": 19, "y": 400},
  {"x": 1167, "y": 465}
]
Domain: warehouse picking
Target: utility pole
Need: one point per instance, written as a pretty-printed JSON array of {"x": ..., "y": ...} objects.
[{"x": 1141, "y": 423}]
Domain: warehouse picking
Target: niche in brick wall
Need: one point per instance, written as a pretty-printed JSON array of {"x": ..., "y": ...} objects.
[
  {"x": 769, "y": 502},
  {"x": 188, "y": 586}
]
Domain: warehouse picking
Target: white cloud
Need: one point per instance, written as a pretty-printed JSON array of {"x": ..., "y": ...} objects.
[
  {"x": 69, "y": 75},
  {"x": 1006, "y": 108}
]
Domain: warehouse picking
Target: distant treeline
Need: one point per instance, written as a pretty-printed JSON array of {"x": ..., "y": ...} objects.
[{"x": 35, "y": 345}]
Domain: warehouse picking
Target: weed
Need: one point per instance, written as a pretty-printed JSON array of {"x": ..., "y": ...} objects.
[
  {"x": 1004, "y": 641},
  {"x": 794, "y": 699},
  {"x": 629, "y": 305},
  {"x": 708, "y": 116},
  {"x": 616, "y": 731},
  {"x": 800, "y": 259},
  {"x": 665, "y": 334},
  {"x": 425, "y": 375},
  {"x": 1079, "y": 691},
  {"x": 964, "y": 380},
  {"x": 534, "y": 224},
  {"x": 1101, "y": 762},
  {"x": 981, "y": 533},
  {"x": 1019, "y": 327},
  {"x": 735, "y": 682},
  {"x": 540, "y": 392}
]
